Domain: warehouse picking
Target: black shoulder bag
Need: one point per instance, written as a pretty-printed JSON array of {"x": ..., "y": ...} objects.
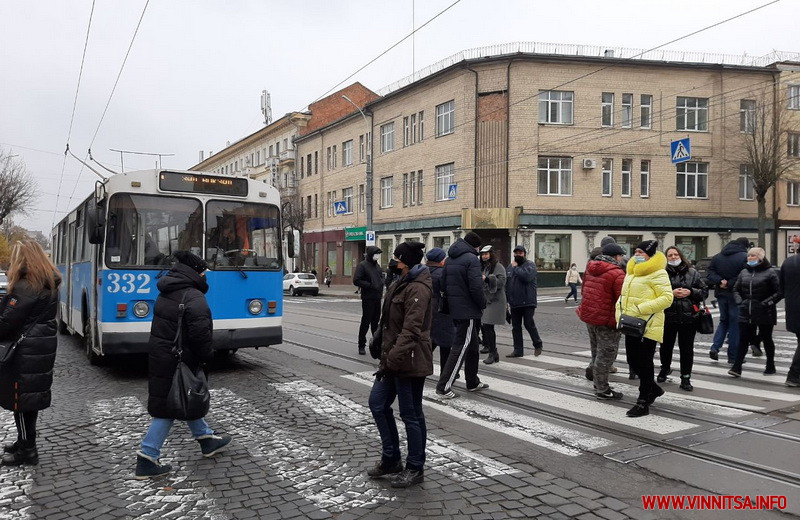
[
  {"x": 630, "y": 325},
  {"x": 705, "y": 322},
  {"x": 189, "y": 397}
]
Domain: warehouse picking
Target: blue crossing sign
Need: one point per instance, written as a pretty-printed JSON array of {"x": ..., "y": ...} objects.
[
  {"x": 340, "y": 207},
  {"x": 680, "y": 150},
  {"x": 452, "y": 192}
]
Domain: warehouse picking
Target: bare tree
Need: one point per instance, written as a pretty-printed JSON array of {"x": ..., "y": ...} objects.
[
  {"x": 17, "y": 188},
  {"x": 294, "y": 218}
]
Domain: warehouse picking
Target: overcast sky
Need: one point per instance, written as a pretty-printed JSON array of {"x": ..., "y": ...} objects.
[{"x": 196, "y": 70}]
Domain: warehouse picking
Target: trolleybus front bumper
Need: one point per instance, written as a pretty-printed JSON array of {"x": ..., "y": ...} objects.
[{"x": 136, "y": 342}]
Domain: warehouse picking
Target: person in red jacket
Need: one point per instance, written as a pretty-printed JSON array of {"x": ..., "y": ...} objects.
[{"x": 602, "y": 284}]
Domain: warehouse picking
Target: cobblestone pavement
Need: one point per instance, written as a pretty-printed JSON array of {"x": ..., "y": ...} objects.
[{"x": 302, "y": 441}]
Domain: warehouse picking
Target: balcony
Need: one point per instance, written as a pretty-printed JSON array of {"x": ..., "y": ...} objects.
[{"x": 286, "y": 156}]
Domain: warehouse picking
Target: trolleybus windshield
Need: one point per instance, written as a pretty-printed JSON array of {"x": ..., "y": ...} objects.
[
  {"x": 143, "y": 230},
  {"x": 242, "y": 235}
]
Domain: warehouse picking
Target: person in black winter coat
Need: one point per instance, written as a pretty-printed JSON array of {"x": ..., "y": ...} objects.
[
  {"x": 790, "y": 288},
  {"x": 722, "y": 273},
  {"x": 28, "y": 309},
  {"x": 369, "y": 278},
  {"x": 442, "y": 331},
  {"x": 680, "y": 319},
  {"x": 521, "y": 294},
  {"x": 463, "y": 283},
  {"x": 757, "y": 292},
  {"x": 185, "y": 284}
]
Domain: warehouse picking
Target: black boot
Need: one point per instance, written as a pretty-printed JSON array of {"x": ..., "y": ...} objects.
[
  {"x": 11, "y": 448},
  {"x": 22, "y": 456},
  {"x": 655, "y": 393},
  {"x": 485, "y": 350},
  {"x": 663, "y": 373},
  {"x": 408, "y": 477},
  {"x": 686, "y": 384},
  {"x": 148, "y": 467},
  {"x": 639, "y": 409},
  {"x": 493, "y": 357},
  {"x": 385, "y": 467}
]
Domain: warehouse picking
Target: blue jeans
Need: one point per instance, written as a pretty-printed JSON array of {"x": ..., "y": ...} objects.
[
  {"x": 728, "y": 324},
  {"x": 408, "y": 391},
  {"x": 159, "y": 429}
]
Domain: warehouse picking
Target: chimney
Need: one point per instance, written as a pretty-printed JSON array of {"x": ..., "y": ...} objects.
[{"x": 201, "y": 156}]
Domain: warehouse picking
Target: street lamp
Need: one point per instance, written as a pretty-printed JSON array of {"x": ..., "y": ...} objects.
[{"x": 369, "y": 163}]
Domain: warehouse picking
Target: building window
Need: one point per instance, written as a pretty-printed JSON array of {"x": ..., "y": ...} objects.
[
  {"x": 793, "y": 91},
  {"x": 553, "y": 252},
  {"x": 316, "y": 206},
  {"x": 369, "y": 144},
  {"x": 747, "y": 115},
  {"x": 387, "y": 137},
  {"x": 793, "y": 194},
  {"x": 746, "y": 186},
  {"x": 692, "y": 114},
  {"x": 258, "y": 157},
  {"x": 405, "y": 190},
  {"x": 347, "y": 196},
  {"x": 362, "y": 199},
  {"x": 330, "y": 203},
  {"x": 606, "y": 109},
  {"x": 608, "y": 176},
  {"x": 414, "y": 135},
  {"x": 692, "y": 180},
  {"x": 334, "y": 156},
  {"x": 278, "y": 148},
  {"x": 627, "y": 164},
  {"x": 445, "y": 176},
  {"x": 644, "y": 179},
  {"x": 308, "y": 206},
  {"x": 406, "y": 131},
  {"x": 555, "y": 176},
  {"x": 302, "y": 170},
  {"x": 330, "y": 160},
  {"x": 386, "y": 192},
  {"x": 316, "y": 162},
  {"x": 445, "y": 118},
  {"x": 555, "y": 106},
  {"x": 308, "y": 165},
  {"x": 441, "y": 242},
  {"x": 646, "y": 111},
  {"x": 627, "y": 110},
  {"x": 271, "y": 153},
  {"x": 421, "y": 123},
  {"x": 793, "y": 144},
  {"x": 415, "y": 188},
  {"x": 347, "y": 153},
  {"x": 362, "y": 156},
  {"x": 693, "y": 248}
]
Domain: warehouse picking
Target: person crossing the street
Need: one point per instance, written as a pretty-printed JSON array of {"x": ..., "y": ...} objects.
[{"x": 521, "y": 277}]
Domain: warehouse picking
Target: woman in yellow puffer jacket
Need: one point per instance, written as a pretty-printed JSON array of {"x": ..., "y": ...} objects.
[{"x": 646, "y": 292}]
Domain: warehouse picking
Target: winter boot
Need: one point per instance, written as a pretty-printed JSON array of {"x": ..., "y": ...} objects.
[
  {"x": 770, "y": 369},
  {"x": 408, "y": 477},
  {"x": 662, "y": 374},
  {"x": 11, "y": 448},
  {"x": 384, "y": 467},
  {"x": 655, "y": 394},
  {"x": 212, "y": 444},
  {"x": 686, "y": 384},
  {"x": 493, "y": 357},
  {"x": 639, "y": 409},
  {"x": 27, "y": 456},
  {"x": 148, "y": 467}
]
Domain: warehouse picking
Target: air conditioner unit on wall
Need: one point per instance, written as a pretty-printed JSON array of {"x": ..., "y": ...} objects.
[{"x": 588, "y": 164}]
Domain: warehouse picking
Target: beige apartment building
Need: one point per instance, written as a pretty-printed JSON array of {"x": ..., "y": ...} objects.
[{"x": 553, "y": 148}]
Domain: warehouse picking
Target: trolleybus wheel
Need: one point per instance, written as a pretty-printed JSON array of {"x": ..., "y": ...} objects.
[
  {"x": 292, "y": 290},
  {"x": 88, "y": 343},
  {"x": 62, "y": 326}
]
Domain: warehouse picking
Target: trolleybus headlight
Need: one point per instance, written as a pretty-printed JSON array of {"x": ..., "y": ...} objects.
[
  {"x": 141, "y": 309},
  {"x": 255, "y": 306}
]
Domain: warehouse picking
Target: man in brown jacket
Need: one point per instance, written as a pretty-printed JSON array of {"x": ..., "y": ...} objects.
[{"x": 406, "y": 359}]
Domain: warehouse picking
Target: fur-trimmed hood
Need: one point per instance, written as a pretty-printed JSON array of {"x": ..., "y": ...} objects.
[{"x": 650, "y": 266}]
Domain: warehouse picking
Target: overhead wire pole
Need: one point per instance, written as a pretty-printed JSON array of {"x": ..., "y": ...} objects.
[{"x": 368, "y": 187}]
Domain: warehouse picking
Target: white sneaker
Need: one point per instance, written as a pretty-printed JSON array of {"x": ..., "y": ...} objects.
[
  {"x": 447, "y": 395},
  {"x": 480, "y": 386}
]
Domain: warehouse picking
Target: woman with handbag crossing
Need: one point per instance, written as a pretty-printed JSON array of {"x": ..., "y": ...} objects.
[
  {"x": 680, "y": 319},
  {"x": 27, "y": 321},
  {"x": 646, "y": 292},
  {"x": 184, "y": 285}
]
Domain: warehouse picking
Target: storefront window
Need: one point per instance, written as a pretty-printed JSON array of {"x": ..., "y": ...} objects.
[
  {"x": 442, "y": 242},
  {"x": 628, "y": 243},
  {"x": 693, "y": 248},
  {"x": 553, "y": 252},
  {"x": 347, "y": 268},
  {"x": 331, "y": 248},
  {"x": 387, "y": 247}
]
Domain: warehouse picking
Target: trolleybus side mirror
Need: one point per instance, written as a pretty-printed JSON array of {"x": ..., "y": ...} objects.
[
  {"x": 95, "y": 223},
  {"x": 293, "y": 243}
]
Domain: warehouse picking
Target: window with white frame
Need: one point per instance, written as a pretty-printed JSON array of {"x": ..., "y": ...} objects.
[
  {"x": 644, "y": 179},
  {"x": 330, "y": 203},
  {"x": 607, "y": 109},
  {"x": 334, "y": 156},
  {"x": 347, "y": 196},
  {"x": 347, "y": 153},
  {"x": 555, "y": 106},
  {"x": 793, "y": 193},
  {"x": 445, "y": 176},
  {"x": 746, "y": 186},
  {"x": 406, "y": 131},
  {"x": 405, "y": 190},
  {"x": 747, "y": 115},
  {"x": 445, "y": 121},
  {"x": 362, "y": 199},
  {"x": 555, "y": 176},
  {"x": 386, "y": 192},
  {"x": 625, "y": 174},
  {"x": 421, "y": 124},
  {"x": 692, "y": 180},
  {"x": 387, "y": 137},
  {"x": 646, "y": 111},
  {"x": 329, "y": 152},
  {"x": 793, "y": 144},
  {"x": 369, "y": 144},
  {"x": 362, "y": 156},
  {"x": 415, "y": 180},
  {"x": 793, "y": 93},
  {"x": 691, "y": 114},
  {"x": 607, "y": 176},
  {"x": 627, "y": 110},
  {"x": 419, "y": 187}
]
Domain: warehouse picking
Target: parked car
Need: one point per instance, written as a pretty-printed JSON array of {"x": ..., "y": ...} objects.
[
  {"x": 3, "y": 283},
  {"x": 300, "y": 283},
  {"x": 701, "y": 265}
]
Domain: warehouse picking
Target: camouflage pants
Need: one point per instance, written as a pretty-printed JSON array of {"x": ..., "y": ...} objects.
[{"x": 605, "y": 343}]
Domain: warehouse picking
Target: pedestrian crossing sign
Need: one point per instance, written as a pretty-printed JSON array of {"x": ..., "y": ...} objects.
[
  {"x": 340, "y": 207},
  {"x": 680, "y": 150},
  {"x": 452, "y": 192}
]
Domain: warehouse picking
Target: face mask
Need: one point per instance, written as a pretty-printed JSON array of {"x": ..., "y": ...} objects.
[
  {"x": 574, "y": 268},
  {"x": 674, "y": 263},
  {"x": 376, "y": 257},
  {"x": 639, "y": 259},
  {"x": 393, "y": 267},
  {"x": 519, "y": 259},
  {"x": 752, "y": 262}
]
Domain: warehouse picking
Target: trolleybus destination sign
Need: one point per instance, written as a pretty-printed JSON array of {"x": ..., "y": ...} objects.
[{"x": 194, "y": 183}]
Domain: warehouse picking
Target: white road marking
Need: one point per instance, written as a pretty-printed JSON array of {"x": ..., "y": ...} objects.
[
  {"x": 15, "y": 482},
  {"x": 547, "y": 435},
  {"x": 120, "y": 425}
]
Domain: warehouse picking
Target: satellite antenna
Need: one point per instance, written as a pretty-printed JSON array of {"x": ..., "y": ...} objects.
[{"x": 266, "y": 107}]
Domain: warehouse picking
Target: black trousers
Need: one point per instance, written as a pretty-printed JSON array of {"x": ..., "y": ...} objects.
[
  {"x": 463, "y": 351},
  {"x": 26, "y": 427},
  {"x": 685, "y": 333},
  {"x": 489, "y": 337},
  {"x": 520, "y": 316},
  {"x": 639, "y": 353},
  {"x": 750, "y": 334},
  {"x": 370, "y": 317}
]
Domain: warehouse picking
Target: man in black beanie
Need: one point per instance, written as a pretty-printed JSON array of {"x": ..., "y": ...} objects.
[
  {"x": 369, "y": 278},
  {"x": 723, "y": 271},
  {"x": 190, "y": 259},
  {"x": 463, "y": 286}
]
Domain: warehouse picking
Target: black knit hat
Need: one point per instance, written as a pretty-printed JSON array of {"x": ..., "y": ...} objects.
[
  {"x": 744, "y": 241},
  {"x": 410, "y": 253},
  {"x": 472, "y": 239},
  {"x": 191, "y": 260},
  {"x": 649, "y": 246},
  {"x": 613, "y": 249}
]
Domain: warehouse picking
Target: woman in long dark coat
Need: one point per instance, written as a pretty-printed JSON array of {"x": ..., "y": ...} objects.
[{"x": 28, "y": 309}]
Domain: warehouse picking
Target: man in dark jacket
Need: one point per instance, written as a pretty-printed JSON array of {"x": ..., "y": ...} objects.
[
  {"x": 442, "y": 330},
  {"x": 369, "y": 279},
  {"x": 790, "y": 287},
  {"x": 722, "y": 273},
  {"x": 463, "y": 283},
  {"x": 521, "y": 295},
  {"x": 184, "y": 285}
]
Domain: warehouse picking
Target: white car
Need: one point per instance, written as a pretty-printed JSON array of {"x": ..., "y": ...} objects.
[
  {"x": 299, "y": 283},
  {"x": 3, "y": 283}
]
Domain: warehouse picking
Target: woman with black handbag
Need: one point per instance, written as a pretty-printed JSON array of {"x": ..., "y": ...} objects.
[
  {"x": 29, "y": 310},
  {"x": 185, "y": 284},
  {"x": 646, "y": 292},
  {"x": 680, "y": 319}
]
